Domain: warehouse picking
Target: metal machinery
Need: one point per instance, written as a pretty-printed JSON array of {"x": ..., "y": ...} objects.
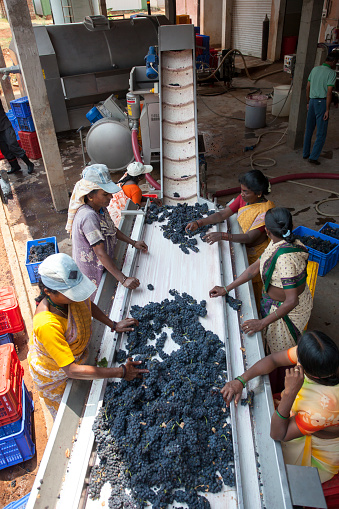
[
  {"x": 262, "y": 479},
  {"x": 84, "y": 63}
]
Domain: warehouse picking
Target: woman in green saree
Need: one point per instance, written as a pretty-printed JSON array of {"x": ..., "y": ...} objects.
[{"x": 286, "y": 301}]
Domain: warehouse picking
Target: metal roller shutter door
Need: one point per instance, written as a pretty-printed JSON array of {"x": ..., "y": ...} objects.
[{"x": 247, "y": 20}]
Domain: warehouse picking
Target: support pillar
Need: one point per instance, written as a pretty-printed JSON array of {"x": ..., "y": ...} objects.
[
  {"x": 210, "y": 16},
  {"x": 306, "y": 52},
  {"x": 226, "y": 26},
  {"x": 276, "y": 29},
  {"x": 103, "y": 7},
  {"x": 170, "y": 11},
  {"x": 29, "y": 61},
  {"x": 6, "y": 84}
]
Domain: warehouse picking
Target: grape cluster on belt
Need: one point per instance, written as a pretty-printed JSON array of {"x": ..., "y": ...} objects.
[
  {"x": 166, "y": 437},
  {"x": 324, "y": 246},
  {"x": 40, "y": 252},
  {"x": 178, "y": 217},
  {"x": 331, "y": 232},
  {"x": 234, "y": 303}
]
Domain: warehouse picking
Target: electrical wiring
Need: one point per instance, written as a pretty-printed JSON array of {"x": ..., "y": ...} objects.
[
  {"x": 154, "y": 69},
  {"x": 246, "y": 68},
  {"x": 272, "y": 162},
  {"x": 219, "y": 114}
]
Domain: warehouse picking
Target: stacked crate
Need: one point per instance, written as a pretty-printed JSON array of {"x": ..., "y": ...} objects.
[
  {"x": 16, "y": 407},
  {"x": 11, "y": 117},
  {"x": 10, "y": 315},
  {"x": 202, "y": 51},
  {"x": 27, "y": 134}
]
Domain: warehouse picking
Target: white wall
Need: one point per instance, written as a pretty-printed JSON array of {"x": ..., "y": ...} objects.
[
  {"x": 123, "y": 5},
  {"x": 130, "y": 5}
]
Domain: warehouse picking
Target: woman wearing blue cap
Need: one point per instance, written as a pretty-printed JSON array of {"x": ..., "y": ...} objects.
[
  {"x": 94, "y": 234},
  {"x": 58, "y": 348}
]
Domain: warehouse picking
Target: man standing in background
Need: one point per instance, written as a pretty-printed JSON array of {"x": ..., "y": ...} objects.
[
  {"x": 9, "y": 146},
  {"x": 319, "y": 96}
]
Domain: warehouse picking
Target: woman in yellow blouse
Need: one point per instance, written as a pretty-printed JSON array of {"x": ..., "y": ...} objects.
[{"x": 58, "y": 348}]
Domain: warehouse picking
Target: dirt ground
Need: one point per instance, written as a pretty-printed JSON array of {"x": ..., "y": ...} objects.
[{"x": 17, "y": 481}]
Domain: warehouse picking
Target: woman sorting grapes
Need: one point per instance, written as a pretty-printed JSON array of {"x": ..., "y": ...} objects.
[
  {"x": 251, "y": 206},
  {"x": 58, "y": 348},
  {"x": 306, "y": 420},
  {"x": 286, "y": 301}
]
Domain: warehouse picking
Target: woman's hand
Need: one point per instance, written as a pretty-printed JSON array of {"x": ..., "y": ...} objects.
[
  {"x": 126, "y": 325},
  {"x": 252, "y": 326},
  {"x": 131, "y": 283},
  {"x": 192, "y": 227},
  {"x": 210, "y": 238},
  {"x": 132, "y": 371},
  {"x": 141, "y": 245},
  {"x": 232, "y": 389},
  {"x": 217, "y": 291},
  {"x": 294, "y": 379}
]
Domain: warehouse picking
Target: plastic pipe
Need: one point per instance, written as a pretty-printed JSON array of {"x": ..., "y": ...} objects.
[
  {"x": 136, "y": 152},
  {"x": 283, "y": 178}
]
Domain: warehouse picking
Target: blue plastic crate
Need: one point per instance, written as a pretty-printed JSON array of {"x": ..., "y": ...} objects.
[
  {"x": 19, "y": 504},
  {"x": 15, "y": 427},
  {"x": 331, "y": 225},
  {"x": 326, "y": 261},
  {"x": 32, "y": 268},
  {"x": 19, "y": 446},
  {"x": 20, "y": 107},
  {"x": 94, "y": 115},
  {"x": 6, "y": 338},
  {"x": 26, "y": 124},
  {"x": 13, "y": 120}
]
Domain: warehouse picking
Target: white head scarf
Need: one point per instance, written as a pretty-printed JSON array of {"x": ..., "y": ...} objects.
[{"x": 81, "y": 189}]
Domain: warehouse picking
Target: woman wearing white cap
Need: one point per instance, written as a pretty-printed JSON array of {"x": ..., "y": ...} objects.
[
  {"x": 94, "y": 234},
  {"x": 58, "y": 348},
  {"x": 130, "y": 190}
]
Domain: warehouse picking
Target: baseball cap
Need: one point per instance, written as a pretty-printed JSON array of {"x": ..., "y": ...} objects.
[
  {"x": 99, "y": 174},
  {"x": 136, "y": 168},
  {"x": 60, "y": 272}
]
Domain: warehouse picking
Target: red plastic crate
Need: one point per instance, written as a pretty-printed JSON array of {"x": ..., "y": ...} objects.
[
  {"x": 11, "y": 373},
  {"x": 10, "y": 314},
  {"x": 331, "y": 492},
  {"x": 30, "y": 144}
]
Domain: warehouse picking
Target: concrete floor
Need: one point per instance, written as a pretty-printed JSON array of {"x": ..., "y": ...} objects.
[{"x": 31, "y": 215}]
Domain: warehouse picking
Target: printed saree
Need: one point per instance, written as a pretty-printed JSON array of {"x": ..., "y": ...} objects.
[
  {"x": 284, "y": 265},
  {"x": 251, "y": 217},
  {"x": 49, "y": 378},
  {"x": 316, "y": 407}
]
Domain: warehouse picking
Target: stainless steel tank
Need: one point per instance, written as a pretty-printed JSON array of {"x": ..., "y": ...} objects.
[{"x": 109, "y": 142}]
